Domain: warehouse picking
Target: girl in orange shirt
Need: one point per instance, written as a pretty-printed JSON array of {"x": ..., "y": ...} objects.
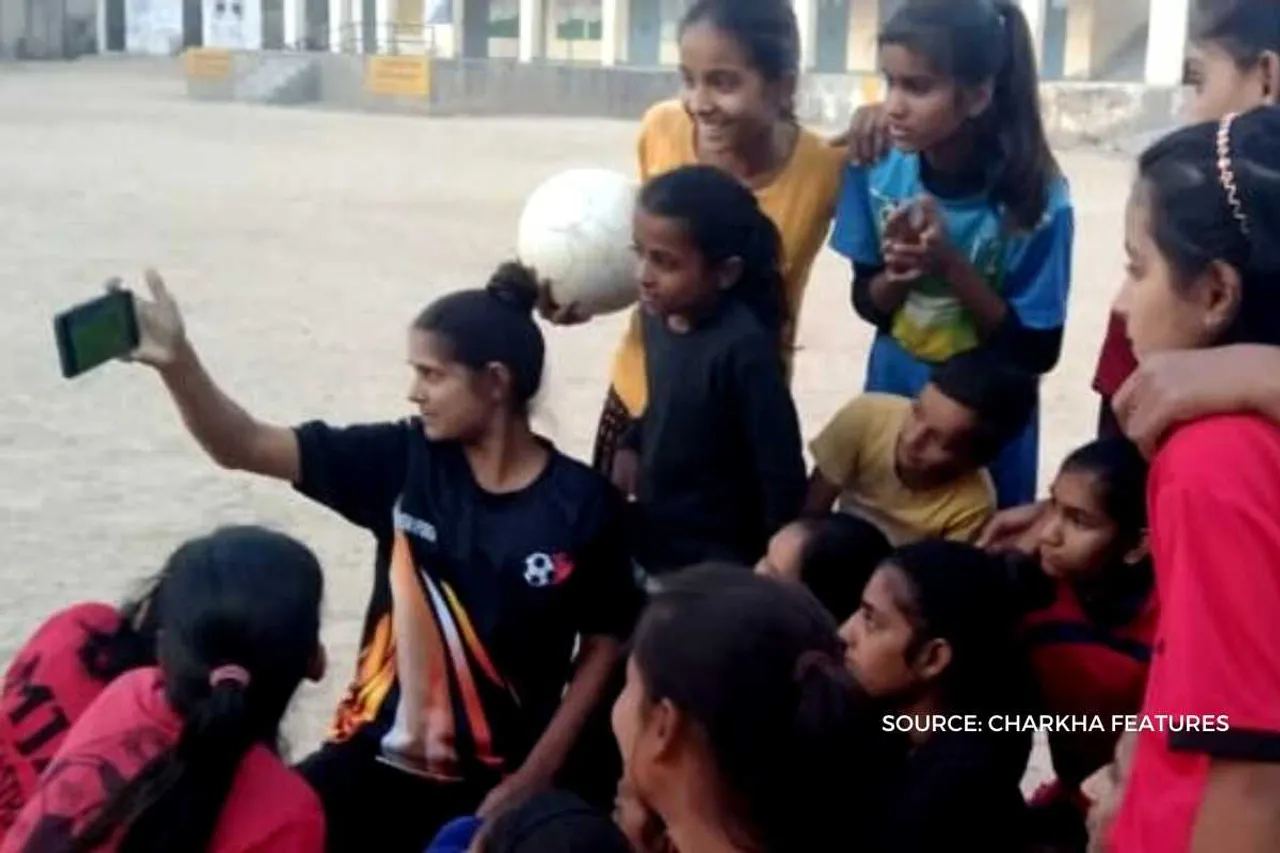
[{"x": 740, "y": 61}]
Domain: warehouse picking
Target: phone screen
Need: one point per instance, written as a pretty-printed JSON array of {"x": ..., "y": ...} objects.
[{"x": 96, "y": 332}]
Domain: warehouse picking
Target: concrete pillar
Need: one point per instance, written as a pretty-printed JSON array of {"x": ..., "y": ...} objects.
[
  {"x": 532, "y": 30},
  {"x": 1167, "y": 41},
  {"x": 807, "y": 17},
  {"x": 1034, "y": 11},
  {"x": 383, "y": 20},
  {"x": 614, "y": 27},
  {"x": 100, "y": 21},
  {"x": 293, "y": 25},
  {"x": 1078, "y": 55},
  {"x": 339, "y": 24},
  {"x": 864, "y": 36}
]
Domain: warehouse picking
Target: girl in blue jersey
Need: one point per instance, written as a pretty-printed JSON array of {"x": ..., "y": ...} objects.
[{"x": 961, "y": 236}]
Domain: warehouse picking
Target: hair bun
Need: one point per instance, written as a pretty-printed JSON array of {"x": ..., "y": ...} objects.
[{"x": 515, "y": 285}]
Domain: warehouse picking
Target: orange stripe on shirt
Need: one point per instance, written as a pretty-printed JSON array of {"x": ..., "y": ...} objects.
[
  {"x": 424, "y": 733},
  {"x": 481, "y": 735},
  {"x": 375, "y": 676},
  {"x": 472, "y": 639}
]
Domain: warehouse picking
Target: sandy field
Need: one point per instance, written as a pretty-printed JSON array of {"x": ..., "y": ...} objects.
[{"x": 300, "y": 243}]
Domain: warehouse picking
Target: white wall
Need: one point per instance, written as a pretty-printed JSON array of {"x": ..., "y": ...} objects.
[
  {"x": 232, "y": 23},
  {"x": 153, "y": 26}
]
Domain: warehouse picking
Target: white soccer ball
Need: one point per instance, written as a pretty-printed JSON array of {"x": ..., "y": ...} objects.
[{"x": 575, "y": 232}]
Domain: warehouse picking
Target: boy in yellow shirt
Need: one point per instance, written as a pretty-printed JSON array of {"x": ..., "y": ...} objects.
[{"x": 917, "y": 468}]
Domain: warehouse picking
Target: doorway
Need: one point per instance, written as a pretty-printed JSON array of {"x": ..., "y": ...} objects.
[
  {"x": 115, "y": 25},
  {"x": 192, "y": 22},
  {"x": 315, "y": 30}
]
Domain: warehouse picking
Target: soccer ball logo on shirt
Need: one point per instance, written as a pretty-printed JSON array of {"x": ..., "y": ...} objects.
[{"x": 542, "y": 570}]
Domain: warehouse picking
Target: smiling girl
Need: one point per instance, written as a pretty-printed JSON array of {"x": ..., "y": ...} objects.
[{"x": 739, "y": 62}]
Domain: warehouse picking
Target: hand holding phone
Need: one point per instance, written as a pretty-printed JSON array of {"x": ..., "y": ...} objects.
[
  {"x": 161, "y": 330},
  {"x": 120, "y": 325}
]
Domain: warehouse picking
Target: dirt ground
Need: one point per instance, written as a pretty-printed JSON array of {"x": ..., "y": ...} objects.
[{"x": 299, "y": 243}]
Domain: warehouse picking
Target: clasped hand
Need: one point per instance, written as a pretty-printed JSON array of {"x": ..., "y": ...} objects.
[{"x": 914, "y": 242}]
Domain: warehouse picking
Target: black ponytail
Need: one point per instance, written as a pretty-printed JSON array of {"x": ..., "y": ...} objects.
[
  {"x": 757, "y": 665},
  {"x": 976, "y": 42},
  {"x": 723, "y": 220},
  {"x": 240, "y": 622},
  {"x": 1027, "y": 168}
]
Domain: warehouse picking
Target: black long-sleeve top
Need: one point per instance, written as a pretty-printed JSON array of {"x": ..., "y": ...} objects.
[{"x": 721, "y": 460}]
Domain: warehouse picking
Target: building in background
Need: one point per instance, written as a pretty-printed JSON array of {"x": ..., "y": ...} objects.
[{"x": 1120, "y": 40}]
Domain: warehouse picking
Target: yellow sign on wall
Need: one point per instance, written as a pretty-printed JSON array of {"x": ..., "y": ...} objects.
[
  {"x": 404, "y": 76},
  {"x": 208, "y": 63}
]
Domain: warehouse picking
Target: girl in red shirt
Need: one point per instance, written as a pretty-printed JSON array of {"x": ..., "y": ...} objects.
[
  {"x": 183, "y": 756},
  {"x": 55, "y": 676},
  {"x": 1202, "y": 237},
  {"x": 1091, "y": 643}
]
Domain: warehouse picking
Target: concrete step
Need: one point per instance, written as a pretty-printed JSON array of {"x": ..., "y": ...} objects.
[{"x": 280, "y": 79}]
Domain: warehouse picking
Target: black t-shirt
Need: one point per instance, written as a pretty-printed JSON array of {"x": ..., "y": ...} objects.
[
  {"x": 721, "y": 460},
  {"x": 477, "y": 597},
  {"x": 960, "y": 789}
]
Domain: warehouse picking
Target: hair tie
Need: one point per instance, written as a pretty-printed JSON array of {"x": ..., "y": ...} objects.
[
  {"x": 814, "y": 661},
  {"x": 234, "y": 673},
  {"x": 1227, "y": 176}
]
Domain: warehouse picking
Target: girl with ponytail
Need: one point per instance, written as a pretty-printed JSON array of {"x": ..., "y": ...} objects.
[
  {"x": 495, "y": 556},
  {"x": 962, "y": 235},
  {"x": 936, "y": 639},
  {"x": 184, "y": 756},
  {"x": 715, "y": 463},
  {"x": 739, "y": 728}
]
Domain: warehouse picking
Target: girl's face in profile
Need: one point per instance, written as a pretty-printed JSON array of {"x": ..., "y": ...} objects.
[
  {"x": 453, "y": 401},
  {"x": 1217, "y": 84},
  {"x": 878, "y": 637},
  {"x": 639, "y": 728},
  {"x": 1160, "y": 313}
]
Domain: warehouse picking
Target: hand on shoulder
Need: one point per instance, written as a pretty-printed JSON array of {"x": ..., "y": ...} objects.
[
  {"x": 1172, "y": 388},
  {"x": 867, "y": 138}
]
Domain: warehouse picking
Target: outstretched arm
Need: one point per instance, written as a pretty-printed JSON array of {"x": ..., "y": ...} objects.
[{"x": 231, "y": 436}]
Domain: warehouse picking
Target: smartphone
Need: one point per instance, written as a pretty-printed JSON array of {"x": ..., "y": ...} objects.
[{"x": 96, "y": 332}]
